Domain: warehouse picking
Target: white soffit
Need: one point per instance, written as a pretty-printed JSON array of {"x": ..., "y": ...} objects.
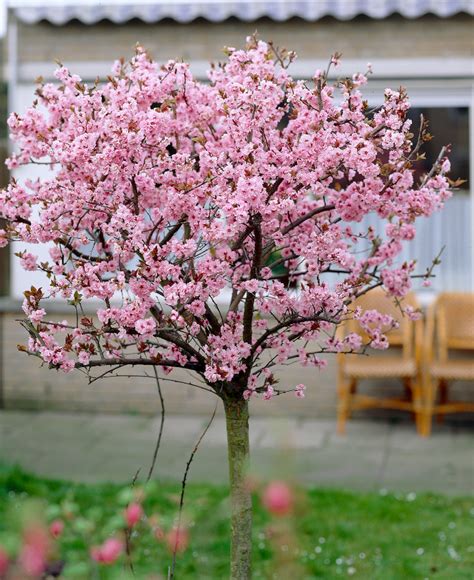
[{"x": 118, "y": 11}]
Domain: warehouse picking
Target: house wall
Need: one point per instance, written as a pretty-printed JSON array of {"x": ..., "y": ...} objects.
[{"x": 394, "y": 37}]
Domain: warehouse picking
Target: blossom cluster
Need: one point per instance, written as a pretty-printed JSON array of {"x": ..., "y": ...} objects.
[
  {"x": 166, "y": 191},
  {"x": 30, "y": 545}
]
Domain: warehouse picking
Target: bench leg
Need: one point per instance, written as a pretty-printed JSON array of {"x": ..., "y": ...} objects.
[
  {"x": 345, "y": 391},
  {"x": 417, "y": 399},
  {"x": 429, "y": 392},
  {"x": 443, "y": 398}
]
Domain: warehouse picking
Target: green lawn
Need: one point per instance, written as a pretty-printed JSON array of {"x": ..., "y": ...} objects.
[{"x": 334, "y": 534}]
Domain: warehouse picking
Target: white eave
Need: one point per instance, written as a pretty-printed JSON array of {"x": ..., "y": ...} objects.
[{"x": 119, "y": 11}]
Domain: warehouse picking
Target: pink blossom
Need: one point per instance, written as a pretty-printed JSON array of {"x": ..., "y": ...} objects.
[
  {"x": 35, "y": 549},
  {"x": 133, "y": 514},
  {"x": 299, "y": 391},
  {"x": 177, "y": 539},
  {"x": 83, "y": 357},
  {"x": 67, "y": 365},
  {"x": 397, "y": 282},
  {"x": 4, "y": 562},
  {"x": 28, "y": 261},
  {"x": 145, "y": 326},
  {"x": 3, "y": 238},
  {"x": 353, "y": 341},
  {"x": 56, "y": 528},
  {"x": 269, "y": 393},
  {"x": 37, "y": 315},
  {"x": 108, "y": 552},
  {"x": 278, "y": 498},
  {"x": 412, "y": 313}
]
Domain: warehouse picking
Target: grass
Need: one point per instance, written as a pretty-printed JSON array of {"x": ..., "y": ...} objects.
[{"x": 333, "y": 534}]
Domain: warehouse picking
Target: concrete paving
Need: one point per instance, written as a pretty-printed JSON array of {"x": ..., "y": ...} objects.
[{"x": 374, "y": 455}]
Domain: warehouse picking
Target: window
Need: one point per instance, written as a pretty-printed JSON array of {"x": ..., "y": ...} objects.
[
  {"x": 447, "y": 108},
  {"x": 449, "y": 126},
  {"x": 451, "y": 229}
]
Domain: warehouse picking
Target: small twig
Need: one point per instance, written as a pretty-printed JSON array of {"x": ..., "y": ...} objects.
[
  {"x": 160, "y": 433},
  {"x": 435, "y": 167},
  {"x": 375, "y": 131},
  {"x": 306, "y": 217},
  {"x": 128, "y": 550},
  {"x": 277, "y": 55},
  {"x": 183, "y": 489}
]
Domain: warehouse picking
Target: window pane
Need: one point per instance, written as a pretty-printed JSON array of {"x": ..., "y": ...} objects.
[{"x": 449, "y": 126}]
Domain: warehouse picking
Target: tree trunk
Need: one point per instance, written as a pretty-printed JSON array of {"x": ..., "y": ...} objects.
[{"x": 237, "y": 422}]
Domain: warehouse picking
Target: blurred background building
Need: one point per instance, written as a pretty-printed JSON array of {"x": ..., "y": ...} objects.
[{"x": 424, "y": 45}]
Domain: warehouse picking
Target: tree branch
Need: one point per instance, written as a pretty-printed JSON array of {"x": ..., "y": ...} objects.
[
  {"x": 173, "y": 230},
  {"x": 286, "y": 324},
  {"x": 306, "y": 217},
  {"x": 138, "y": 361},
  {"x": 254, "y": 271},
  {"x": 162, "y": 422}
]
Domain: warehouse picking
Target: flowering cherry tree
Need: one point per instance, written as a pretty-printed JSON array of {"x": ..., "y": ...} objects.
[{"x": 168, "y": 196}]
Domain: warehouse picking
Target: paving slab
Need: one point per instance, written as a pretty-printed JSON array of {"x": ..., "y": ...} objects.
[
  {"x": 294, "y": 435},
  {"x": 441, "y": 440},
  {"x": 339, "y": 466},
  {"x": 362, "y": 434},
  {"x": 446, "y": 472}
]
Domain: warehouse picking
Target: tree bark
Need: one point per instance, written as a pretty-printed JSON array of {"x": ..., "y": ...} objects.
[{"x": 237, "y": 422}]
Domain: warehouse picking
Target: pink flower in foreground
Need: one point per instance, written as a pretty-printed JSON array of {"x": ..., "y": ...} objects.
[
  {"x": 109, "y": 552},
  {"x": 4, "y": 561},
  {"x": 133, "y": 514},
  {"x": 177, "y": 539},
  {"x": 278, "y": 498},
  {"x": 56, "y": 528},
  {"x": 34, "y": 551}
]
